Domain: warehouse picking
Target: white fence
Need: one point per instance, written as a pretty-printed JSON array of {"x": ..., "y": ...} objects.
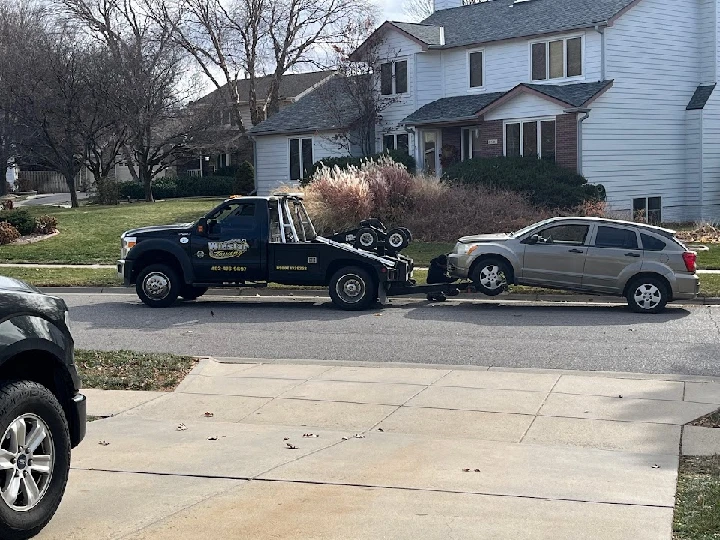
[{"x": 50, "y": 181}]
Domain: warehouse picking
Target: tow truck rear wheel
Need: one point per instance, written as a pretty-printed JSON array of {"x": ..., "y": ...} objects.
[
  {"x": 352, "y": 289},
  {"x": 158, "y": 285}
]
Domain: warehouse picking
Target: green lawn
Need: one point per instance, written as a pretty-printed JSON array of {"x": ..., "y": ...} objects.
[
  {"x": 423, "y": 252},
  {"x": 91, "y": 234},
  {"x": 709, "y": 260},
  {"x": 64, "y": 277},
  {"x": 697, "y": 504},
  {"x": 127, "y": 370}
]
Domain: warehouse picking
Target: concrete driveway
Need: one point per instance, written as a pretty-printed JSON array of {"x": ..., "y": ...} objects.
[{"x": 324, "y": 450}]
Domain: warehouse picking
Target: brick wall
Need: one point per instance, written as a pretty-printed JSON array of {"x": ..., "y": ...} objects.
[
  {"x": 492, "y": 130},
  {"x": 566, "y": 141}
]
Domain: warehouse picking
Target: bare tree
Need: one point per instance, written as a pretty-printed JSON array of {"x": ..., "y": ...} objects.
[
  {"x": 419, "y": 10},
  {"x": 153, "y": 72}
]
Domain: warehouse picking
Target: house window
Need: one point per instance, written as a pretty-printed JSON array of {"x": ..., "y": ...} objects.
[
  {"x": 557, "y": 59},
  {"x": 530, "y": 138},
  {"x": 397, "y": 141},
  {"x": 301, "y": 158},
  {"x": 648, "y": 210},
  {"x": 470, "y": 143},
  {"x": 475, "y": 61},
  {"x": 393, "y": 78},
  {"x": 222, "y": 160}
]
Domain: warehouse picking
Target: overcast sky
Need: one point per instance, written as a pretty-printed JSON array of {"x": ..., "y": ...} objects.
[{"x": 391, "y": 10}]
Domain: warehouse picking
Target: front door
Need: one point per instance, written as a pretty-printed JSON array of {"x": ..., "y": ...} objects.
[
  {"x": 232, "y": 250},
  {"x": 614, "y": 251},
  {"x": 429, "y": 149},
  {"x": 558, "y": 257}
]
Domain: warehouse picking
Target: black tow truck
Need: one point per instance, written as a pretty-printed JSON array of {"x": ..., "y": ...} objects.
[{"x": 254, "y": 241}]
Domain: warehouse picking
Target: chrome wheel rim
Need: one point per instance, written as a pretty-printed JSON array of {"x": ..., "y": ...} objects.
[
  {"x": 350, "y": 288},
  {"x": 395, "y": 240},
  {"x": 492, "y": 277},
  {"x": 647, "y": 296},
  {"x": 366, "y": 239},
  {"x": 156, "y": 285},
  {"x": 27, "y": 460}
]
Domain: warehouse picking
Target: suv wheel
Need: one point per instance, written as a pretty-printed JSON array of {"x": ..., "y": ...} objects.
[
  {"x": 158, "y": 285},
  {"x": 647, "y": 295},
  {"x": 490, "y": 276},
  {"x": 34, "y": 458},
  {"x": 191, "y": 293},
  {"x": 352, "y": 289}
]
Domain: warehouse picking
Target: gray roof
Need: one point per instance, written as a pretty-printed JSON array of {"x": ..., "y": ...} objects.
[
  {"x": 291, "y": 85},
  {"x": 330, "y": 106},
  {"x": 465, "y": 107},
  {"x": 452, "y": 108},
  {"x": 429, "y": 34},
  {"x": 504, "y": 19},
  {"x": 700, "y": 97}
]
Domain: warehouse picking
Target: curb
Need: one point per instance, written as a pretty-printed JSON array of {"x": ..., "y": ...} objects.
[{"x": 322, "y": 293}]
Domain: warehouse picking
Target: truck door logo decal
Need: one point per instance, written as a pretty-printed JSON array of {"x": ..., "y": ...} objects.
[{"x": 227, "y": 249}]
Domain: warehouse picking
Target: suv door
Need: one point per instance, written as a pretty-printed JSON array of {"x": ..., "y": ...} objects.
[
  {"x": 232, "y": 249},
  {"x": 614, "y": 253},
  {"x": 558, "y": 257}
]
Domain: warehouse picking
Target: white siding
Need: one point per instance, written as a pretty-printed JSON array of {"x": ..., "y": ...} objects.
[
  {"x": 711, "y": 158},
  {"x": 524, "y": 106},
  {"x": 272, "y": 154},
  {"x": 707, "y": 38},
  {"x": 634, "y": 141},
  {"x": 396, "y": 46},
  {"x": 693, "y": 164},
  {"x": 429, "y": 82},
  {"x": 507, "y": 64}
]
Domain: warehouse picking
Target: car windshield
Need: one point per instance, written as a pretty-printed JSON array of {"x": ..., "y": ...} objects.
[{"x": 529, "y": 228}]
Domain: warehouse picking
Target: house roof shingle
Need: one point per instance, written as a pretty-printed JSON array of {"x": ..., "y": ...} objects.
[
  {"x": 700, "y": 97},
  {"x": 291, "y": 85},
  {"x": 496, "y": 20},
  {"x": 329, "y": 107},
  {"x": 427, "y": 33},
  {"x": 464, "y": 107}
]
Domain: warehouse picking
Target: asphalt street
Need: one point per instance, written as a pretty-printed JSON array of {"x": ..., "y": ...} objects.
[{"x": 683, "y": 340}]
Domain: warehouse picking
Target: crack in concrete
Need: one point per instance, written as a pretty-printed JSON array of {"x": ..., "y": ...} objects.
[{"x": 539, "y": 409}]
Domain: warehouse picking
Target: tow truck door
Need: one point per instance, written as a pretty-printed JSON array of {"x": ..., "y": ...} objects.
[{"x": 232, "y": 249}]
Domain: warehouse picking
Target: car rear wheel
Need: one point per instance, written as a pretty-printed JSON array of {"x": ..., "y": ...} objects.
[
  {"x": 34, "y": 458},
  {"x": 191, "y": 293},
  {"x": 158, "y": 285},
  {"x": 490, "y": 276},
  {"x": 352, "y": 289},
  {"x": 647, "y": 295}
]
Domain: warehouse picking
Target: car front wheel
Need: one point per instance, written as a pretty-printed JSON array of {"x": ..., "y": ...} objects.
[
  {"x": 34, "y": 458},
  {"x": 490, "y": 276},
  {"x": 647, "y": 295}
]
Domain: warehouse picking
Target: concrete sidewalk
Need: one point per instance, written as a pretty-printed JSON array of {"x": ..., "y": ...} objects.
[{"x": 326, "y": 450}]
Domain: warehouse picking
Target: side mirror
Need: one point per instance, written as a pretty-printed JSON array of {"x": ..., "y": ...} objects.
[
  {"x": 534, "y": 239},
  {"x": 201, "y": 226}
]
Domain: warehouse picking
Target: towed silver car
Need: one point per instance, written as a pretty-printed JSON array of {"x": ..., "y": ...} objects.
[{"x": 645, "y": 264}]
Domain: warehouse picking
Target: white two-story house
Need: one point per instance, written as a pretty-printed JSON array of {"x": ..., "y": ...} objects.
[{"x": 623, "y": 91}]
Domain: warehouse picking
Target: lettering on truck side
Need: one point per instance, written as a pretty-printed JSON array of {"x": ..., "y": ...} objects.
[{"x": 291, "y": 268}]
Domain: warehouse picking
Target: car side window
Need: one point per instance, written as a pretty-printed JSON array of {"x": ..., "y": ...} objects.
[
  {"x": 574, "y": 235},
  {"x": 650, "y": 243},
  {"x": 613, "y": 237},
  {"x": 240, "y": 216}
]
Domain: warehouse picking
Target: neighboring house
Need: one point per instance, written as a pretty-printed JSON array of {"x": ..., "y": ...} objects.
[
  {"x": 620, "y": 90},
  {"x": 227, "y": 147}
]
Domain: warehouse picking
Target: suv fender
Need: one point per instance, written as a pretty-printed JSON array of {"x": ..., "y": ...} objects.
[{"x": 161, "y": 251}]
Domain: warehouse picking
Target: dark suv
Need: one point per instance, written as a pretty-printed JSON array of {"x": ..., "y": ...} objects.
[{"x": 42, "y": 413}]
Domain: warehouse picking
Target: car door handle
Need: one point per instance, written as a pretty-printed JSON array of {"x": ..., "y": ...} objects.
[
  {"x": 575, "y": 250},
  {"x": 632, "y": 254}
]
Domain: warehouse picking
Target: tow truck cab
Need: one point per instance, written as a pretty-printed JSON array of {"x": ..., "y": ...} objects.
[{"x": 253, "y": 241}]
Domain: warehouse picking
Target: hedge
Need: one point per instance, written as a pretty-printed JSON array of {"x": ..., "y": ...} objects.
[
  {"x": 20, "y": 219},
  {"x": 240, "y": 180},
  {"x": 346, "y": 161},
  {"x": 544, "y": 183}
]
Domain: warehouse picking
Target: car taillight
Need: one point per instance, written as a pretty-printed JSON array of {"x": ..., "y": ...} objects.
[{"x": 690, "y": 258}]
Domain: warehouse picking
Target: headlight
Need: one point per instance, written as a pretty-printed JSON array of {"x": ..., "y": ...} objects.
[{"x": 127, "y": 243}]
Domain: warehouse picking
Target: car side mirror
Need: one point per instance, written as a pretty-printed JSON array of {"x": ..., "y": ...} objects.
[
  {"x": 534, "y": 239},
  {"x": 202, "y": 226}
]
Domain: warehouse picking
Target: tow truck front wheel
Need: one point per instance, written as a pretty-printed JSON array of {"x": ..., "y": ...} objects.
[
  {"x": 158, "y": 286},
  {"x": 352, "y": 289}
]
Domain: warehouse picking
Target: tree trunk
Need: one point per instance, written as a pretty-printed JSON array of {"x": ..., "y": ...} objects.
[
  {"x": 274, "y": 96},
  {"x": 70, "y": 181},
  {"x": 147, "y": 183}
]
